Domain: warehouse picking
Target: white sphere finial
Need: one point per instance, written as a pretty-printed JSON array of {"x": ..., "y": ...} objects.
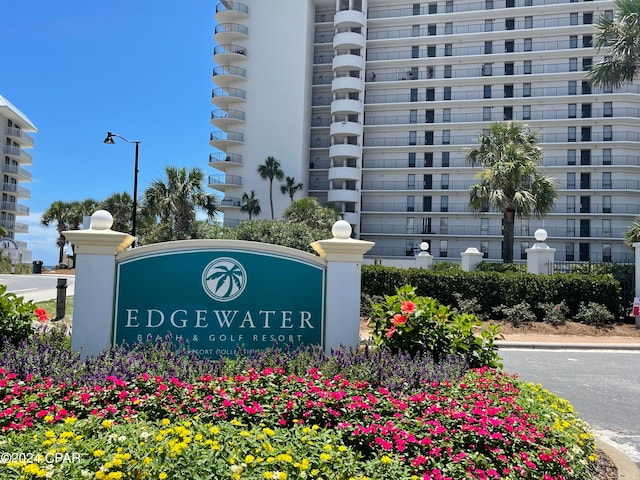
[
  {"x": 341, "y": 229},
  {"x": 101, "y": 220},
  {"x": 540, "y": 235},
  {"x": 424, "y": 246}
]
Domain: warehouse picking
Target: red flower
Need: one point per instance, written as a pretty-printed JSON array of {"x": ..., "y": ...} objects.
[
  {"x": 408, "y": 307},
  {"x": 41, "y": 313},
  {"x": 399, "y": 319}
]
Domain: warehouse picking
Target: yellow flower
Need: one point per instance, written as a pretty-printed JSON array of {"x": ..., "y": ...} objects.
[
  {"x": 165, "y": 421},
  {"x": 162, "y": 476},
  {"x": 325, "y": 457},
  {"x": 115, "y": 475},
  {"x": 107, "y": 423},
  {"x": 249, "y": 459},
  {"x": 98, "y": 453},
  {"x": 385, "y": 459}
]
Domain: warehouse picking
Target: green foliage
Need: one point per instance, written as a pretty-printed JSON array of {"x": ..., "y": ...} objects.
[
  {"x": 445, "y": 267},
  {"x": 406, "y": 322},
  {"x": 594, "y": 314},
  {"x": 469, "y": 305},
  {"x": 516, "y": 315},
  {"x": 554, "y": 314},
  {"x": 309, "y": 212},
  {"x": 16, "y": 317},
  {"x": 501, "y": 267},
  {"x": 293, "y": 235}
]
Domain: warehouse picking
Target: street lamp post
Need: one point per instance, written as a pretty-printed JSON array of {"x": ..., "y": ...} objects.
[{"x": 109, "y": 140}]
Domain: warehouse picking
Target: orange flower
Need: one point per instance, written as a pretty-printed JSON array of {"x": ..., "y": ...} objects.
[
  {"x": 398, "y": 319},
  {"x": 408, "y": 307}
]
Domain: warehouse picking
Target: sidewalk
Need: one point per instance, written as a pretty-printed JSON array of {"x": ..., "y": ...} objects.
[{"x": 574, "y": 342}]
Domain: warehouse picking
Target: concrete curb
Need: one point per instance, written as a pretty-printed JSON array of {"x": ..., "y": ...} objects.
[
  {"x": 627, "y": 470},
  {"x": 567, "y": 346}
]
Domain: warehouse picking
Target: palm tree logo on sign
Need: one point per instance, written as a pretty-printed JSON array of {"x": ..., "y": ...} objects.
[{"x": 224, "y": 279}]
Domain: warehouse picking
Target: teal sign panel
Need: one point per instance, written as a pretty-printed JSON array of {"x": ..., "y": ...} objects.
[{"x": 219, "y": 300}]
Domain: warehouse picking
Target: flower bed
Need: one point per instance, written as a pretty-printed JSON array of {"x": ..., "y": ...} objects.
[{"x": 274, "y": 424}]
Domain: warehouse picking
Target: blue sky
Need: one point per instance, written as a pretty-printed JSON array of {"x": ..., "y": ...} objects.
[{"x": 80, "y": 68}]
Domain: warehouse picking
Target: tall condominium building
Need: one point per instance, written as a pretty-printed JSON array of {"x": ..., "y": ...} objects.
[
  {"x": 372, "y": 105},
  {"x": 15, "y": 141}
]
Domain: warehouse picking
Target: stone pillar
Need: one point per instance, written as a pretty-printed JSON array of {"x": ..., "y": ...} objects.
[
  {"x": 540, "y": 257},
  {"x": 471, "y": 257},
  {"x": 96, "y": 249},
  {"x": 636, "y": 248},
  {"x": 424, "y": 258},
  {"x": 344, "y": 257}
]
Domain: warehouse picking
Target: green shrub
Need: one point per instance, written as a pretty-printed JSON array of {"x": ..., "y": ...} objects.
[
  {"x": 16, "y": 317},
  {"x": 406, "y": 322},
  {"x": 554, "y": 313},
  {"x": 594, "y": 314},
  {"x": 517, "y": 314},
  {"x": 469, "y": 305}
]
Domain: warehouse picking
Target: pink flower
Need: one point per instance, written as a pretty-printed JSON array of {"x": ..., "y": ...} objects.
[
  {"x": 408, "y": 307},
  {"x": 391, "y": 331}
]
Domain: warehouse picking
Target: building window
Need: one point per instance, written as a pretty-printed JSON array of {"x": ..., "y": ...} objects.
[
  {"x": 585, "y": 180},
  {"x": 413, "y": 95},
  {"x": 428, "y": 159},
  {"x": 526, "y": 67},
  {"x": 444, "y": 181},
  {"x": 587, "y": 18},
  {"x": 484, "y": 226},
  {"x": 587, "y": 41},
  {"x": 585, "y": 204},
  {"x": 487, "y": 69},
  {"x": 487, "y": 91},
  {"x": 415, "y": 51},
  {"x": 448, "y": 49},
  {"x": 411, "y": 204},
  {"x": 528, "y": 45},
  {"x": 486, "y": 114},
  {"x": 431, "y": 94},
  {"x": 571, "y": 227},
  {"x": 447, "y": 71},
  {"x": 606, "y": 252},
  {"x": 573, "y": 64},
  {"x": 429, "y": 116},
  {"x": 411, "y": 181},
  {"x": 416, "y": 9},
  {"x": 413, "y": 116},
  {"x": 572, "y": 87},
  {"x": 507, "y": 113},
  {"x": 606, "y": 180},
  {"x": 426, "y": 204},
  {"x": 571, "y": 180},
  {"x": 586, "y": 87},
  {"x": 571, "y": 157},
  {"x": 448, "y": 7},
  {"x": 431, "y": 29},
  {"x": 408, "y": 249},
  {"x": 528, "y": 3},
  {"x": 446, "y": 93},
  {"x": 448, "y": 28},
  {"x": 484, "y": 248},
  {"x": 445, "y": 159},
  {"x": 415, "y": 30},
  {"x": 444, "y": 203},
  {"x": 585, "y": 157},
  {"x": 606, "y": 156},
  {"x": 444, "y": 225},
  {"x": 508, "y": 68},
  {"x": 412, "y": 137},
  {"x": 412, "y": 159},
  {"x": 569, "y": 252},
  {"x": 488, "y": 25},
  {"x": 586, "y": 110},
  {"x": 526, "y": 89},
  {"x": 444, "y": 246},
  {"x": 572, "y": 110},
  {"x": 606, "y": 227},
  {"x": 508, "y": 91},
  {"x": 510, "y": 3},
  {"x": 586, "y": 64},
  {"x": 446, "y": 115},
  {"x": 433, "y": 8},
  {"x": 523, "y": 250},
  {"x": 431, "y": 51},
  {"x": 607, "y": 133},
  {"x": 607, "y": 110},
  {"x": 571, "y": 202},
  {"x": 509, "y": 23},
  {"x": 528, "y": 22},
  {"x": 585, "y": 134},
  {"x": 573, "y": 18},
  {"x": 488, "y": 47},
  {"x": 606, "y": 204},
  {"x": 488, "y": 4},
  {"x": 573, "y": 41},
  {"x": 446, "y": 137},
  {"x": 526, "y": 112},
  {"x": 509, "y": 46},
  {"x": 427, "y": 182},
  {"x": 428, "y": 137}
]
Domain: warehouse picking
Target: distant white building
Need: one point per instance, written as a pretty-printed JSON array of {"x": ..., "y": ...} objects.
[
  {"x": 372, "y": 105},
  {"x": 15, "y": 142}
]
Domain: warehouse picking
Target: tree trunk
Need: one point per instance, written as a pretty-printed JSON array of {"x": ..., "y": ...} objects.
[
  {"x": 508, "y": 221},
  {"x": 271, "y": 197}
]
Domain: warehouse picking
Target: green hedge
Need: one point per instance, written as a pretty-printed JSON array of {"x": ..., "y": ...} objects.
[{"x": 492, "y": 289}]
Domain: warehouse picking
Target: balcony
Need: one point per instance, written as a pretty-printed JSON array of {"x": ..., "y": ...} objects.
[
  {"x": 349, "y": 18},
  {"x": 348, "y": 61},
  {"x": 17, "y": 134},
  {"x": 223, "y": 98},
  {"x": 222, "y": 140},
  {"x": 230, "y": 32},
  {"x": 346, "y": 128},
  {"x": 347, "y": 84},
  {"x": 348, "y": 40},
  {"x": 229, "y": 53},
  {"x": 343, "y": 195},
  {"x": 226, "y": 75},
  {"x": 344, "y": 173},
  {"x": 14, "y": 207},
  {"x": 230, "y": 202},
  {"x": 347, "y": 106},
  {"x": 224, "y": 118},
  {"x": 223, "y": 160},
  {"x": 17, "y": 172},
  {"x": 222, "y": 181},
  {"x": 345, "y": 150},
  {"x": 18, "y": 154},
  {"x": 12, "y": 226},
  {"x": 229, "y": 11},
  {"x": 16, "y": 190}
]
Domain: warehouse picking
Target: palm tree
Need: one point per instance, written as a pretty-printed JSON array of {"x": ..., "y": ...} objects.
[
  {"x": 59, "y": 212},
  {"x": 250, "y": 204},
  {"x": 510, "y": 182},
  {"x": 174, "y": 201},
  {"x": 290, "y": 187},
  {"x": 619, "y": 37},
  {"x": 270, "y": 170},
  {"x": 77, "y": 213},
  {"x": 120, "y": 206}
]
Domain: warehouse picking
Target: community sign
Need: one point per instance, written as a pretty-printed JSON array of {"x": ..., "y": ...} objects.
[{"x": 219, "y": 296}]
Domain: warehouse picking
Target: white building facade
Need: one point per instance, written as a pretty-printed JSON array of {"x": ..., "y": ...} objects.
[
  {"x": 373, "y": 104},
  {"x": 16, "y": 141}
]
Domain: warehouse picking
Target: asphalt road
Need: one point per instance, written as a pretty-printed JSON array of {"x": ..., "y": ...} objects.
[
  {"x": 38, "y": 287},
  {"x": 602, "y": 385}
]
